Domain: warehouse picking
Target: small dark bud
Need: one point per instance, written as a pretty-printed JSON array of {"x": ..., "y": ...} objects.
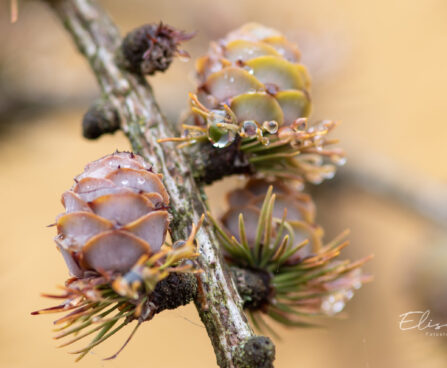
[
  {"x": 254, "y": 287},
  {"x": 100, "y": 118},
  {"x": 255, "y": 352},
  {"x": 151, "y": 48}
]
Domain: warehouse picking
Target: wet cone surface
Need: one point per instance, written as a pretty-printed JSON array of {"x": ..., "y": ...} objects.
[
  {"x": 253, "y": 96},
  {"x": 255, "y": 70},
  {"x": 114, "y": 214}
]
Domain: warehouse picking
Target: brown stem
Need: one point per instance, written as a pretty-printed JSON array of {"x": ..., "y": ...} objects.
[
  {"x": 217, "y": 301},
  {"x": 211, "y": 163}
]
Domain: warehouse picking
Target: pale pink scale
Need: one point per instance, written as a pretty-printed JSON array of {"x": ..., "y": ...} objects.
[
  {"x": 75, "y": 229},
  {"x": 73, "y": 203},
  {"x": 151, "y": 228},
  {"x": 139, "y": 180},
  {"x": 122, "y": 208},
  {"x": 102, "y": 167},
  {"x": 239, "y": 197},
  {"x": 115, "y": 250},
  {"x": 250, "y": 215},
  {"x": 73, "y": 267}
]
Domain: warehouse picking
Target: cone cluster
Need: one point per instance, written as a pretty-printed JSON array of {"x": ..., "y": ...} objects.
[{"x": 252, "y": 97}]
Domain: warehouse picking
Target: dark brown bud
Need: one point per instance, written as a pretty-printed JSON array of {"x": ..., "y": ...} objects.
[
  {"x": 100, "y": 118},
  {"x": 151, "y": 48},
  {"x": 256, "y": 351},
  {"x": 253, "y": 286}
]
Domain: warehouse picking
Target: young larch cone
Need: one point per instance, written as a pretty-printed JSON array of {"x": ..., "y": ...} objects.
[
  {"x": 299, "y": 207},
  {"x": 275, "y": 250},
  {"x": 114, "y": 214},
  {"x": 253, "y": 96},
  {"x": 255, "y": 70},
  {"x": 112, "y": 236}
]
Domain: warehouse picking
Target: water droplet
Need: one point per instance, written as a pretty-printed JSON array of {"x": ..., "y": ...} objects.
[
  {"x": 314, "y": 178},
  {"x": 329, "y": 175},
  {"x": 356, "y": 278},
  {"x": 349, "y": 294},
  {"x": 327, "y": 124},
  {"x": 338, "y": 160},
  {"x": 334, "y": 303},
  {"x": 271, "y": 126},
  {"x": 124, "y": 182},
  {"x": 249, "y": 70},
  {"x": 299, "y": 124},
  {"x": 329, "y": 172},
  {"x": 264, "y": 140},
  {"x": 249, "y": 128},
  {"x": 141, "y": 181},
  {"x": 216, "y": 116},
  {"x": 220, "y": 137},
  {"x": 284, "y": 132}
]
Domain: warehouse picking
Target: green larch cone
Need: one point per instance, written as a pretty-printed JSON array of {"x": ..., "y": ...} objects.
[
  {"x": 270, "y": 235},
  {"x": 256, "y": 72},
  {"x": 112, "y": 237},
  {"x": 252, "y": 85}
]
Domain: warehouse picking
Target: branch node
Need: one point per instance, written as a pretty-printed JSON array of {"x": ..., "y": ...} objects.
[
  {"x": 253, "y": 286},
  {"x": 152, "y": 47},
  {"x": 255, "y": 352},
  {"x": 176, "y": 290},
  {"x": 101, "y": 118},
  {"x": 213, "y": 163}
]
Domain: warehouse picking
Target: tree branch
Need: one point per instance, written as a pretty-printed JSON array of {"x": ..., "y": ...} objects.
[{"x": 217, "y": 301}]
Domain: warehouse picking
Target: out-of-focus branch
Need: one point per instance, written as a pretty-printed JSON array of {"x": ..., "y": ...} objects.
[
  {"x": 411, "y": 188},
  {"x": 217, "y": 300}
]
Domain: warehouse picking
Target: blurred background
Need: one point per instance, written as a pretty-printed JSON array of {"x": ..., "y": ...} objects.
[{"x": 379, "y": 67}]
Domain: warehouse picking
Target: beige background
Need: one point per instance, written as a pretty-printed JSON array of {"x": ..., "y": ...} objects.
[{"x": 379, "y": 67}]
